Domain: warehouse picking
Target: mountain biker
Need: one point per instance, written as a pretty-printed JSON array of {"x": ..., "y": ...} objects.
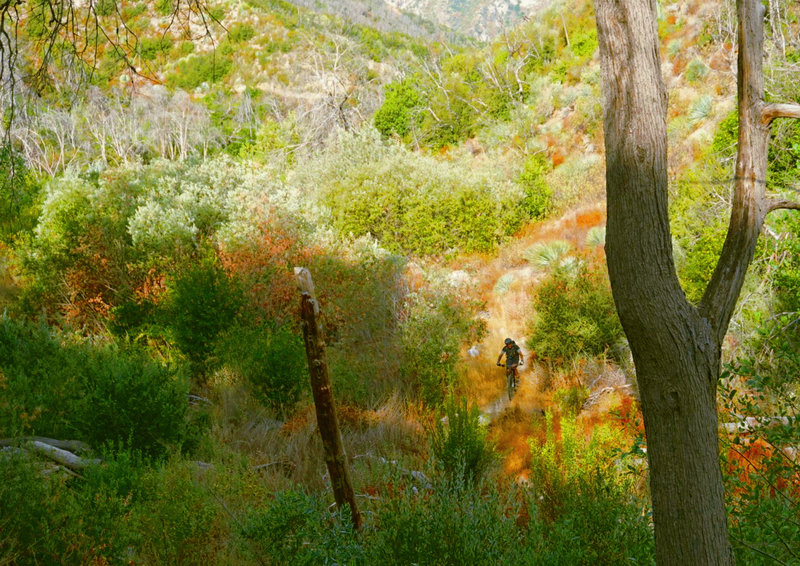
[{"x": 513, "y": 355}]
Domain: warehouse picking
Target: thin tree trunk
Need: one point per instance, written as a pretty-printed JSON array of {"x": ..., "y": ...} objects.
[{"x": 335, "y": 456}]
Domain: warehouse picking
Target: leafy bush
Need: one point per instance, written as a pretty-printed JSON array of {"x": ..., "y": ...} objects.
[
  {"x": 784, "y": 156},
  {"x": 150, "y": 48},
  {"x": 198, "y": 69},
  {"x": 98, "y": 394},
  {"x": 432, "y": 333},
  {"x": 132, "y": 401},
  {"x": 395, "y": 116},
  {"x": 202, "y": 302},
  {"x": 700, "y": 261},
  {"x": 412, "y": 203},
  {"x": 178, "y": 520},
  {"x": 239, "y": 32},
  {"x": 574, "y": 316},
  {"x": 538, "y": 195},
  {"x": 41, "y": 381},
  {"x": 270, "y": 358},
  {"x": 27, "y": 509},
  {"x": 460, "y": 447},
  {"x": 452, "y": 524},
  {"x": 19, "y": 195},
  {"x": 571, "y": 399},
  {"x": 584, "y": 44},
  {"x": 297, "y": 529},
  {"x": 105, "y": 7}
]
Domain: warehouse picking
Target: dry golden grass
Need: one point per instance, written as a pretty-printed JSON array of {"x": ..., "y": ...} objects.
[{"x": 288, "y": 453}]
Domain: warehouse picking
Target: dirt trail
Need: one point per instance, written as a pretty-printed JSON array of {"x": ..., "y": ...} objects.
[{"x": 505, "y": 285}]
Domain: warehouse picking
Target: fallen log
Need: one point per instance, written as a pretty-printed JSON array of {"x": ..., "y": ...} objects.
[
  {"x": 63, "y": 457},
  {"x": 71, "y": 445}
]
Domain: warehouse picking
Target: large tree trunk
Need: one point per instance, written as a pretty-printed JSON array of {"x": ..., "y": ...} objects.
[
  {"x": 675, "y": 345},
  {"x": 675, "y": 349}
]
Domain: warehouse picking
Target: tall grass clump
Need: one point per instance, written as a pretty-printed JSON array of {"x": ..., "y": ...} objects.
[
  {"x": 584, "y": 510},
  {"x": 270, "y": 358},
  {"x": 460, "y": 446},
  {"x": 452, "y": 524}
]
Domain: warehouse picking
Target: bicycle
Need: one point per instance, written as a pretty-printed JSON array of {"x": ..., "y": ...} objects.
[{"x": 511, "y": 378}]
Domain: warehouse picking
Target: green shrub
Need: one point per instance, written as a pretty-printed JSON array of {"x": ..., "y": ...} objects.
[
  {"x": 432, "y": 333},
  {"x": 395, "y": 115},
  {"x": 239, "y": 33},
  {"x": 48, "y": 519},
  {"x": 105, "y": 7},
  {"x": 132, "y": 401},
  {"x": 177, "y": 519},
  {"x": 784, "y": 156},
  {"x": 786, "y": 280},
  {"x": 451, "y": 525},
  {"x": 584, "y": 44},
  {"x": 150, "y": 48},
  {"x": 271, "y": 358},
  {"x": 574, "y": 316},
  {"x": 538, "y": 195},
  {"x": 202, "y": 302},
  {"x": 700, "y": 261},
  {"x": 460, "y": 447},
  {"x": 584, "y": 508},
  {"x": 19, "y": 195},
  {"x": 27, "y": 510},
  {"x": 571, "y": 399},
  {"x": 297, "y": 529},
  {"x": 726, "y": 135},
  {"x": 186, "y": 47},
  {"x": 206, "y": 68},
  {"x": 165, "y": 7},
  {"x": 62, "y": 387},
  {"x": 41, "y": 380},
  {"x": 413, "y": 203}
]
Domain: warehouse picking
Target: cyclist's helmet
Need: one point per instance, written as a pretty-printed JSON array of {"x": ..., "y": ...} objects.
[{"x": 509, "y": 341}]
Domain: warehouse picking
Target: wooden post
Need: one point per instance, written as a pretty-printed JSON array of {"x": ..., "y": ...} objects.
[{"x": 335, "y": 456}]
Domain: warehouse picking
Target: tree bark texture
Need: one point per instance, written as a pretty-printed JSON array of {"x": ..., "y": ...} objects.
[
  {"x": 328, "y": 424},
  {"x": 676, "y": 347},
  {"x": 676, "y": 350}
]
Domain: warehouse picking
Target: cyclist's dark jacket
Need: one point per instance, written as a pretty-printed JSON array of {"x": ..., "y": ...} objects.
[{"x": 512, "y": 354}]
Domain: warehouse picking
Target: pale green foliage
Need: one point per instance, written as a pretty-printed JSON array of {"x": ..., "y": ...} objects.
[
  {"x": 696, "y": 70},
  {"x": 548, "y": 255},
  {"x": 504, "y": 283},
  {"x": 413, "y": 202},
  {"x": 596, "y": 236},
  {"x": 701, "y": 108},
  {"x": 217, "y": 199},
  {"x": 570, "y": 181}
]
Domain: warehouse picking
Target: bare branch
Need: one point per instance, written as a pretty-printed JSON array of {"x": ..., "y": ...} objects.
[
  {"x": 775, "y": 204},
  {"x": 772, "y": 111}
]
